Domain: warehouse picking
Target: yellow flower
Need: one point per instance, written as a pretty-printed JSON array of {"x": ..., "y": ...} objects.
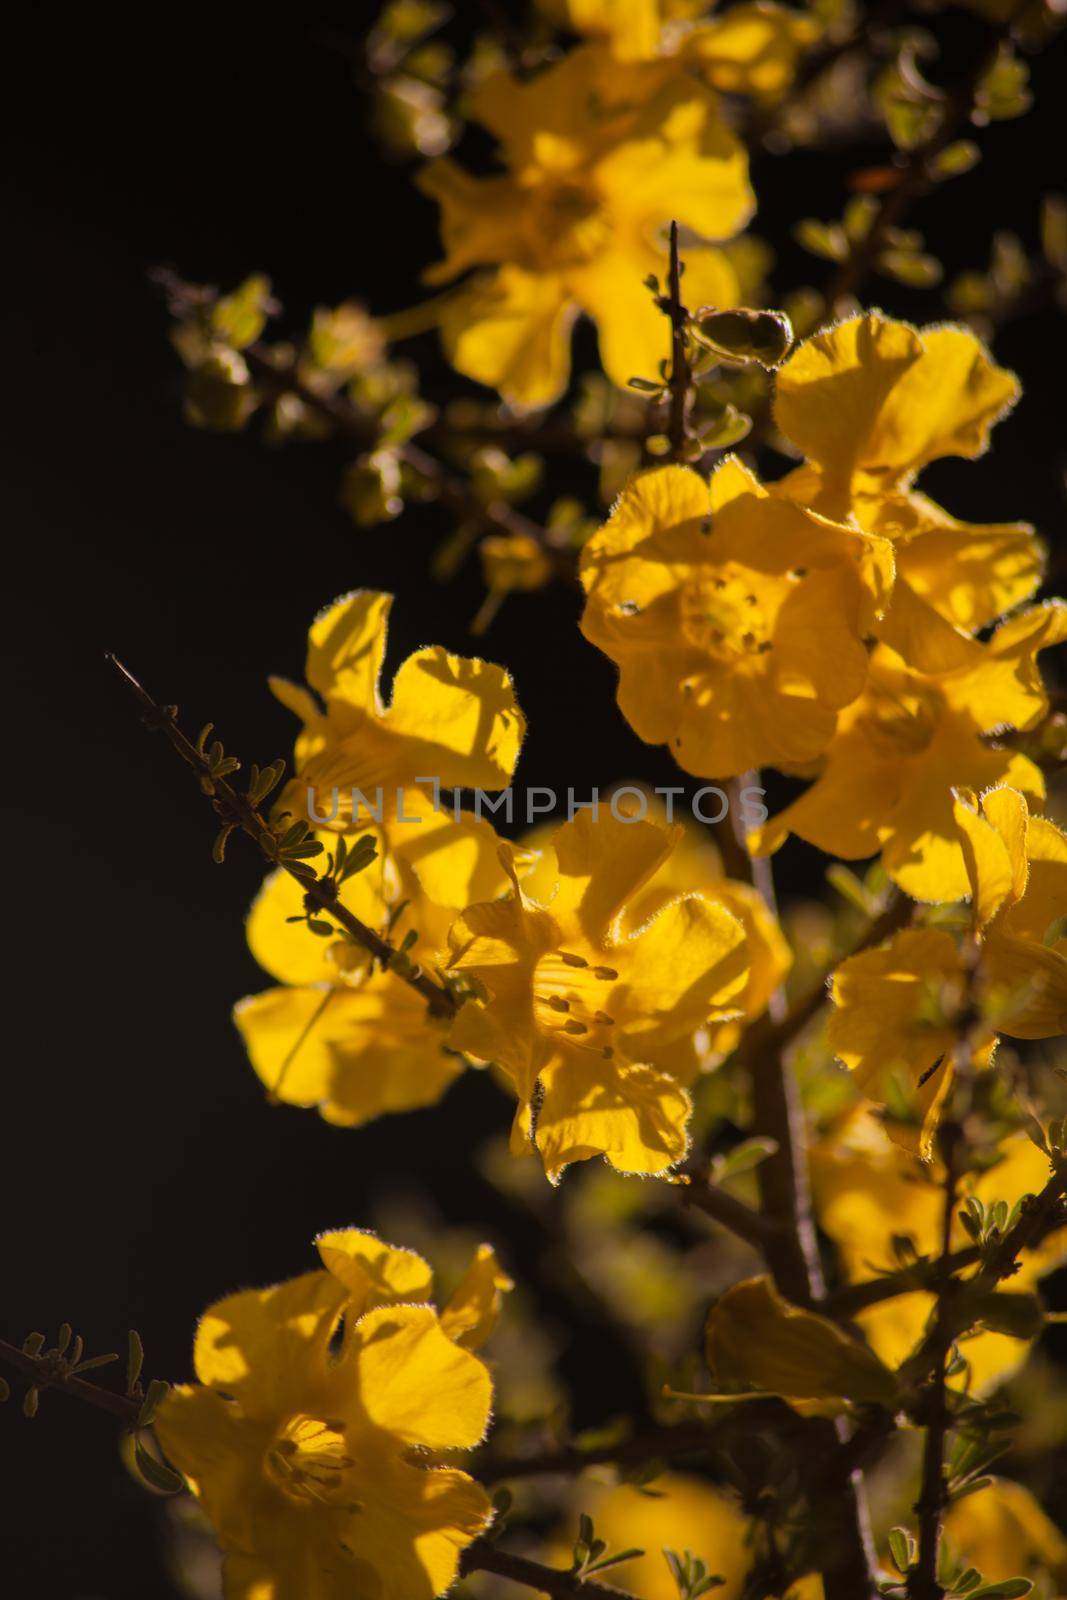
[
  {"x": 599, "y": 159},
  {"x": 1017, "y": 865},
  {"x": 693, "y": 865},
  {"x": 911, "y": 738},
  {"x": 867, "y": 1188},
  {"x": 737, "y": 620},
  {"x": 894, "y": 1024},
  {"x": 339, "y": 1033},
  {"x": 591, "y": 1024},
  {"x": 871, "y": 402},
  {"x": 452, "y": 720},
  {"x": 1003, "y": 1531},
  {"x": 753, "y": 49},
  {"x": 302, "y": 1446},
  {"x": 897, "y": 1008}
]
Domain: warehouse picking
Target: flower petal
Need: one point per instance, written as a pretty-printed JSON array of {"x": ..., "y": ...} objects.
[
  {"x": 459, "y": 719},
  {"x": 511, "y": 331},
  {"x": 633, "y": 1115},
  {"x": 474, "y": 1306},
  {"x": 267, "y": 1347},
  {"x": 416, "y": 1384},
  {"x": 373, "y": 1272}
]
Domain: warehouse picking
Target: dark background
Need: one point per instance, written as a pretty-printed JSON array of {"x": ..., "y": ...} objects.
[{"x": 142, "y": 1172}]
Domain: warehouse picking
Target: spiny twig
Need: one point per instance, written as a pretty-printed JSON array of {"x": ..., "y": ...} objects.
[
  {"x": 49, "y": 1371},
  {"x": 238, "y": 810}
]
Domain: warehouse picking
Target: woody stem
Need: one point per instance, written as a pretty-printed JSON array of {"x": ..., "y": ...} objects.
[
  {"x": 681, "y": 378},
  {"x": 923, "y": 1582},
  {"x": 482, "y": 1556}
]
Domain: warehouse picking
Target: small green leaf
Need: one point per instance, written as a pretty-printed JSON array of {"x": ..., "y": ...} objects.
[
  {"x": 900, "y": 1548},
  {"x": 155, "y": 1394},
  {"x": 954, "y": 160},
  {"x": 158, "y": 1476},
  {"x": 826, "y": 239},
  {"x": 912, "y": 268},
  {"x": 134, "y": 1360}
]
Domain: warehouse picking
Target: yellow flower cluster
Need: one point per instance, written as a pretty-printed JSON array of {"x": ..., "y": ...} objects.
[
  {"x": 312, "y": 1437},
  {"x": 828, "y": 624},
  {"x": 600, "y": 969}
]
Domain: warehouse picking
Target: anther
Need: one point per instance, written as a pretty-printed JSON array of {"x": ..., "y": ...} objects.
[
  {"x": 572, "y": 960},
  {"x": 570, "y": 1026},
  {"x": 602, "y": 1016},
  {"x": 558, "y": 1003},
  {"x": 607, "y": 973}
]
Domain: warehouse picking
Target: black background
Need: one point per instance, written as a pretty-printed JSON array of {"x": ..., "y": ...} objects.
[{"x": 143, "y": 1174}]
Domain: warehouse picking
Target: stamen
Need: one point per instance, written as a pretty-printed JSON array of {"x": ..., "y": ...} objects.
[
  {"x": 602, "y": 1016},
  {"x": 557, "y": 1002}
]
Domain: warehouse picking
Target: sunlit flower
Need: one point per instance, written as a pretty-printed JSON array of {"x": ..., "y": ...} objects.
[
  {"x": 873, "y": 401},
  {"x": 450, "y": 721},
  {"x": 694, "y": 865},
  {"x": 1017, "y": 864},
  {"x": 896, "y": 1021},
  {"x": 599, "y": 159},
  {"x": 737, "y": 620},
  {"x": 894, "y": 1024},
  {"x": 591, "y": 1025},
  {"x": 752, "y": 49},
  {"x": 910, "y": 739},
  {"x": 302, "y": 1437},
  {"x": 868, "y": 1190}
]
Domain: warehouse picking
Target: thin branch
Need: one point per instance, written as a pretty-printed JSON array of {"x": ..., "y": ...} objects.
[
  {"x": 321, "y": 892},
  {"x": 681, "y": 379},
  {"x": 724, "y": 1208},
  {"x": 846, "y": 1303},
  {"x": 659, "y": 1442},
  {"x": 53, "y": 1372},
  {"x": 482, "y": 1556},
  {"x": 922, "y": 1578},
  {"x": 1039, "y": 1215},
  {"x": 792, "y": 1254}
]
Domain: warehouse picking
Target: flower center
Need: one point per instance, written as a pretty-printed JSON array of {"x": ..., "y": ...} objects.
[
  {"x": 725, "y": 615},
  {"x": 904, "y": 721},
  {"x": 309, "y": 1459},
  {"x": 572, "y": 997},
  {"x": 569, "y": 226}
]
